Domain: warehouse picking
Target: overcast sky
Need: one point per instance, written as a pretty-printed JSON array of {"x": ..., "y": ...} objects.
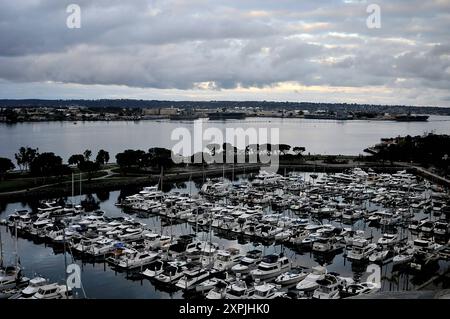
[{"x": 281, "y": 50}]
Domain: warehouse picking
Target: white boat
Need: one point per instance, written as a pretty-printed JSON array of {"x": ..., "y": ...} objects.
[
  {"x": 52, "y": 291},
  {"x": 363, "y": 288},
  {"x": 265, "y": 291},
  {"x": 192, "y": 277},
  {"x": 403, "y": 258},
  {"x": 326, "y": 244},
  {"x": 290, "y": 278},
  {"x": 379, "y": 255},
  {"x": 154, "y": 268},
  {"x": 219, "y": 291},
  {"x": 209, "y": 284},
  {"x": 226, "y": 259},
  {"x": 248, "y": 263},
  {"x": 239, "y": 290},
  {"x": 271, "y": 266},
  {"x": 101, "y": 247},
  {"x": 441, "y": 228},
  {"x": 361, "y": 250},
  {"x": 310, "y": 281},
  {"x": 32, "y": 288},
  {"x": 388, "y": 239},
  {"x": 171, "y": 273},
  {"x": 137, "y": 259},
  {"x": 328, "y": 287}
]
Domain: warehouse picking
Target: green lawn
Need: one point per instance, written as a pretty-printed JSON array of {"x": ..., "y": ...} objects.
[{"x": 17, "y": 182}]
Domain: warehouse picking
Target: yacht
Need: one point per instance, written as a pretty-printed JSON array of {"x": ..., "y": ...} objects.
[
  {"x": 52, "y": 291},
  {"x": 171, "y": 273},
  {"x": 239, "y": 290},
  {"x": 363, "y": 288},
  {"x": 310, "y": 281},
  {"x": 248, "y": 263},
  {"x": 327, "y": 244},
  {"x": 328, "y": 287},
  {"x": 101, "y": 247},
  {"x": 441, "y": 228},
  {"x": 361, "y": 250},
  {"x": 32, "y": 288},
  {"x": 226, "y": 259},
  {"x": 219, "y": 291},
  {"x": 388, "y": 240},
  {"x": 271, "y": 266},
  {"x": 137, "y": 259},
  {"x": 290, "y": 277},
  {"x": 154, "y": 268},
  {"x": 193, "y": 275},
  {"x": 265, "y": 291}
]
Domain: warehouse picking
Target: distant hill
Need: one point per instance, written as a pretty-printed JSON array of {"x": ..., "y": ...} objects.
[{"x": 267, "y": 105}]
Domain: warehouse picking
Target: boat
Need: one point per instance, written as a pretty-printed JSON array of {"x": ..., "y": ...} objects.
[
  {"x": 290, "y": 277},
  {"x": 33, "y": 286},
  {"x": 154, "y": 268},
  {"x": 310, "y": 281},
  {"x": 380, "y": 255},
  {"x": 403, "y": 258},
  {"x": 328, "y": 287},
  {"x": 441, "y": 228},
  {"x": 265, "y": 291},
  {"x": 219, "y": 291},
  {"x": 210, "y": 284},
  {"x": 53, "y": 291},
  {"x": 388, "y": 240},
  {"x": 248, "y": 263},
  {"x": 193, "y": 275},
  {"x": 271, "y": 266},
  {"x": 171, "y": 273},
  {"x": 361, "y": 250},
  {"x": 226, "y": 259},
  {"x": 137, "y": 259},
  {"x": 239, "y": 290},
  {"x": 362, "y": 288}
]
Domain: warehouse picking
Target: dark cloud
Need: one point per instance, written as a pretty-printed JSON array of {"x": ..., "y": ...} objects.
[{"x": 175, "y": 44}]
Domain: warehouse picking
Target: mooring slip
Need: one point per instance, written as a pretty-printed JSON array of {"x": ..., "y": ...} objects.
[{"x": 292, "y": 231}]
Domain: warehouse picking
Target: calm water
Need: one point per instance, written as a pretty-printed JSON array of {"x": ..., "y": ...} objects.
[
  {"x": 318, "y": 136},
  {"x": 100, "y": 281}
]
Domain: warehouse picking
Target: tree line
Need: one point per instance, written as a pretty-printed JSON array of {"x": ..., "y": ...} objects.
[{"x": 47, "y": 164}]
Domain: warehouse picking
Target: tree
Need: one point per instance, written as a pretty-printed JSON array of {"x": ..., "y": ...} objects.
[
  {"x": 25, "y": 156},
  {"x": 76, "y": 159},
  {"x": 298, "y": 150},
  {"x": 87, "y": 154},
  {"x": 89, "y": 167},
  {"x": 102, "y": 157},
  {"x": 46, "y": 164},
  {"x": 160, "y": 157},
  {"x": 284, "y": 148},
  {"x": 5, "y": 165},
  {"x": 130, "y": 158}
]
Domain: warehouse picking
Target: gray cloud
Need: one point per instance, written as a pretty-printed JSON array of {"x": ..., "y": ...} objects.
[{"x": 175, "y": 44}]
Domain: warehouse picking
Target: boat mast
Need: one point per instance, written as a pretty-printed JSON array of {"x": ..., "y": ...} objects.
[
  {"x": 17, "y": 251},
  {"x": 65, "y": 260},
  {"x": 72, "y": 190},
  {"x": 1, "y": 251},
  {"x": 80, "y": 188}
]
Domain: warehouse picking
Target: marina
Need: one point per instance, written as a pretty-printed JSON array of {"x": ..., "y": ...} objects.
[{"x": 259, "y": 236}]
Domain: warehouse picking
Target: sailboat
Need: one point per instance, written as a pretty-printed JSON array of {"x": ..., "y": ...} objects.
[{"x": 10, "y": 276}]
